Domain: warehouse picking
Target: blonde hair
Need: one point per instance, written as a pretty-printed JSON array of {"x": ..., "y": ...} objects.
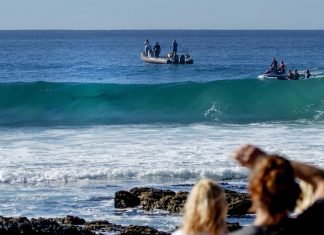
[
  {"x": 205, "y": 209},
  {"x": 307, "y": 197}
]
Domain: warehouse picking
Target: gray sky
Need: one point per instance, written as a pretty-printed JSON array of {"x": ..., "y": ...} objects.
[{"x": 167, "y": 14}]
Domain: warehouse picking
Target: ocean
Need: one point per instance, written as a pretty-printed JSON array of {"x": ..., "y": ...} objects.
[{"x": 81, "y": 116}]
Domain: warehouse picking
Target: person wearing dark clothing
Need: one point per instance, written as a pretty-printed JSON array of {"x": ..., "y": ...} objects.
[
  {"x": 157, "y": 50},
  {"x": 147, "y": 47},
  {"x": 274, "y": 65},
  {"x": 174, "y": 47},
  {"x": 296, "y": 75},
  {"x": 307, "y": 74},
  {"x": 282, "y": 67},
  {"x": 290, "y": 75},
  {"x": 274, "y": 192}
]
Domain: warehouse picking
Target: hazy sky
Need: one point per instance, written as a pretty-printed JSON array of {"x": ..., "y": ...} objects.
[{"x": 166, "y": 14}]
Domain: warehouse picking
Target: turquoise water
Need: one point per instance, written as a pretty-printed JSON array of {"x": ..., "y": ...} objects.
[
  {"x": 81, "y": 116},
  {"x": 230, "y": 101}
]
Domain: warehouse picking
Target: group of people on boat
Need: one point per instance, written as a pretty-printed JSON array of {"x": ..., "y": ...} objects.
[
  {"x": 156, "y": 50},
  {"x": 281, "y": 69},
  {"x": 278, "y": 187},
  {"x": 277, "y": 69}
]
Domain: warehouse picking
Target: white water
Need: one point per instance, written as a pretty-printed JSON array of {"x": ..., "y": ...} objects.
[{"x": 58, "y": 171}]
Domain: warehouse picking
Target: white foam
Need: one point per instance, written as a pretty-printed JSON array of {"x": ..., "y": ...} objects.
[{"x": 148, "y": 153}]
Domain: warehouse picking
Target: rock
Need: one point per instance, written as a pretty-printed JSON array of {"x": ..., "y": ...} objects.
[
  {"x": 67, "y": 226},
  {"x": 103, "y": 225},
  {"x": 124, "y": 199},
  {"x": 141, "y": 230},
  {"x": 238, "y": 203},
  {"x": 233, "y": 226},
  {"x": 21, "y": 225},
  {"x": 152, "y": 199},
  {"x": 71, "y": 220},
  {"x": 158, "y": 193},
  {"x": 173, "y": 204}
]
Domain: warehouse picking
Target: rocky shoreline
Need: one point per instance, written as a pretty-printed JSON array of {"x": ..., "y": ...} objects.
[
  {"x": 148, "y": 199},
  {"x": 157, "y": 199}
]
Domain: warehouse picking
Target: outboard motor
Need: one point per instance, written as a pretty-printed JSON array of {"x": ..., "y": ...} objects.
[
  {"x": 176, "y": 59},
  {"x": 182, "y": 59}
]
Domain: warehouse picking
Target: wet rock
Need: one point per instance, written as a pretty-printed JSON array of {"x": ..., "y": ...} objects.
[
  {"x": 153, "y": 199},
  {"x": 103, "y": 225},
  {"x": 124, "y": 199},
  {"x": 71, "y": 220},
  {"x": 68, "y": 226},
  {"x": 141, "y": 230},
  {"x": 233, "y": 226},
  {"x": 21, "y": 225},
  {"x": 158, "y": 193},
  {"x": 173, "y": 204},
  {"x": 238, "y": 203}
]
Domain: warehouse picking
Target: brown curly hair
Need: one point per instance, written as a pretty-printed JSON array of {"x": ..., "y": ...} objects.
[{"x": 272, "y": 185}]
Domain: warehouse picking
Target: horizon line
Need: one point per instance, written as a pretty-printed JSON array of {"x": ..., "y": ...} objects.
[{"x": 31, "y": 29}]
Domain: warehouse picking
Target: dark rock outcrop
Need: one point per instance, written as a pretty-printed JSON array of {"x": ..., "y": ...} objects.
[
  {"x": 69, "y": 225},
  {"x": 238, "y": 203},
  {"x": 22, "y": 225},
  {"x": 152, "y": 199},
  {"x": 141, "y": 230},
  {"x": 233, "y": 226},
  {"x": 103, "y": 225},
  {"x": 124, "y": 199},
  {"x": 71, "y": 220},
  {"x": 156, "y": 192}
]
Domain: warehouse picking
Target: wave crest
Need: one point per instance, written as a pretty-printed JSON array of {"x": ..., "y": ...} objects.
[{"x": 234, "y": 101}]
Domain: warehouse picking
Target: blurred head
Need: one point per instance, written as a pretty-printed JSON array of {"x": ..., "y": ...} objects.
[
  {"x": 205, "y": 209},
  {"x": 273, "y": 187}
]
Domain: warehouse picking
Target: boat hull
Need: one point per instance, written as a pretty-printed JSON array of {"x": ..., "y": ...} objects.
[
  {"x": 163, "y": 60},
  {"x": 153, "y": 60}
]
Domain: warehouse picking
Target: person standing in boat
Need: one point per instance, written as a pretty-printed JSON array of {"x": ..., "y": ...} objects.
[
  {"x": 157, "y": 50},
  {"x": 274, "y": 65},
  {"x": 174, "y": 47},
  {"x": 282, "y": 67},
  {"x": 147, "y": 47}
]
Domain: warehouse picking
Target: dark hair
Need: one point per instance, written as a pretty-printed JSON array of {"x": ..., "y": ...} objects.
[{"x": 273, "y": 186}]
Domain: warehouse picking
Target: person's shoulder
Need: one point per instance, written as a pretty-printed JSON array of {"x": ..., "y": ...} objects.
[
  {"x": 178, "y": 232},
  {"x": 250, "y": 230},
  {"x": 315, "y": 208},
  {"x": 309, "y": 221}
]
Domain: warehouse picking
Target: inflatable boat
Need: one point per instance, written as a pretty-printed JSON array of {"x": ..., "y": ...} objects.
[
  {"x": 268, "y": 75},
  {"x": 182, "y": 59},
  {"x": 272, "y": 75}
]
